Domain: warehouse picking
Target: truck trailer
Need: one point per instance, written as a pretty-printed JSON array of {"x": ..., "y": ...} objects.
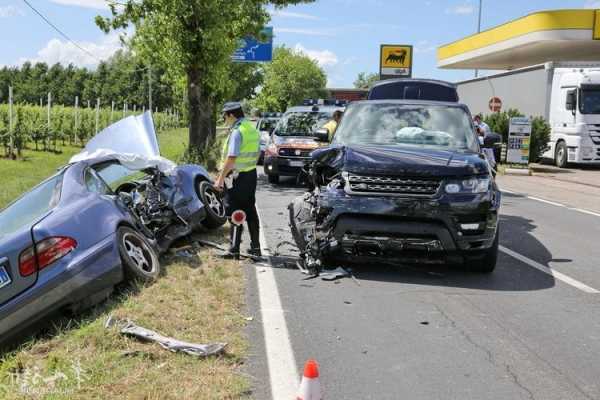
[{"x": 566, "y": 94}]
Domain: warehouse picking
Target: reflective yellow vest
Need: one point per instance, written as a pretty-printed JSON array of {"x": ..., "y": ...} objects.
[{"x": 249, "y": 150}]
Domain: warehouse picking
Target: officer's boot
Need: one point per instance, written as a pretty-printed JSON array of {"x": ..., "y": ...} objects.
[{"x": 254, "y": 230}]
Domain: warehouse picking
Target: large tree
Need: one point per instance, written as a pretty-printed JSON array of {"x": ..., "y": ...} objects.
[
  {"x": 289, "y": 79},
  {"x": 195, "y": 38}
]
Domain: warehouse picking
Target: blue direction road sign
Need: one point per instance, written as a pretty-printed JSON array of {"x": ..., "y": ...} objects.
[{"x": 253, "y": 50}]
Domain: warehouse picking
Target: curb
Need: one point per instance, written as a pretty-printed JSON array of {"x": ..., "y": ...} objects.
[{"x": 517, "y": 171}]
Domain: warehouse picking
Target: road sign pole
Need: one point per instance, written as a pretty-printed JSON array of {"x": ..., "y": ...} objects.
[{"x": 10, "y": 122}]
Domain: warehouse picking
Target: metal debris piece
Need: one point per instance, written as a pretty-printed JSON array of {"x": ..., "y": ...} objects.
[
  {"x": 337, "y": 273},
  {"x": 281, "y": 244},
  {"x": 223, "y": 250},
  {"x": 128, "y": 327}
]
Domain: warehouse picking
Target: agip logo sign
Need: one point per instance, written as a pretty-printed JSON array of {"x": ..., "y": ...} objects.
[{"x": 395, "y": 61}]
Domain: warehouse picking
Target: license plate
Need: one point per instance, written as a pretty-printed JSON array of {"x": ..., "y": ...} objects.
[
  {"x": 295, "y": 163},
  {"x": 4, "y": 277}
]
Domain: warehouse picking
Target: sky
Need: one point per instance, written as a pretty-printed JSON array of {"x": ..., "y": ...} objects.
[{"x": 343, "y": 36}]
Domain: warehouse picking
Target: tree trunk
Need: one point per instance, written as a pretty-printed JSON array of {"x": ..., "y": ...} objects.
[{"x": 199, "y": 112}]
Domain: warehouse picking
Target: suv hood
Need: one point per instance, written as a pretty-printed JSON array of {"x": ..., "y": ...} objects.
[{"x": 396, "y": 160}]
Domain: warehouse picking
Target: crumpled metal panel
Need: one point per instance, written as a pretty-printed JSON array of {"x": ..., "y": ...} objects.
[
  {"x": 128, "y": 327},
  {"x": 132, "y": 141}
]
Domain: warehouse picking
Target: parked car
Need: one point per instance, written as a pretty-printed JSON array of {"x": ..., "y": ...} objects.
[
  {"x": 292, "y": 140},
  {"x": 102, "y": 218},
  {"x": 265, "y": 125},
  {"x": 404, "y": 182}
]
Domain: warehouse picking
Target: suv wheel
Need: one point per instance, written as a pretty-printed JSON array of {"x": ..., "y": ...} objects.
[
  {"x": 561, "y": 156},
  {"x": 487, "y": 264},
  {"x": 274, "y": 179}
]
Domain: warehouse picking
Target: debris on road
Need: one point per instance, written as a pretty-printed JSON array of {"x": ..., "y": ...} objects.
[
  {"x": 337, "y": 273},
  {"x": 129, "y": 328},
  {"x": 223, "y": 250}
]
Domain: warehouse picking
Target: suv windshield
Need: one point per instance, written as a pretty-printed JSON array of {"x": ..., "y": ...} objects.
[
  {"x": 439, "y": 126},
  {"x": 302, "y": 123},
  {"x": 589, "y": 102}
]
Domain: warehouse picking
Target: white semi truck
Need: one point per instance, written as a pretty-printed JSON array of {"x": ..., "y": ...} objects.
[{"x": 566, "y": 94}]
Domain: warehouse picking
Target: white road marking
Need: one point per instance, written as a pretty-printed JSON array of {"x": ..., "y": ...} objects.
[
  {"x": 586, "y": 211},
  {"x": 581, "y": 210},
  {"x": 283, "y": 374},
  {"x": 546, "y": 201},
  {"x": 560, "y": 276}
]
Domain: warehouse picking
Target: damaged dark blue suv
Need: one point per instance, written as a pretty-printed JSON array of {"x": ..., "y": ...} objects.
[{"x": 404, "y": 182}]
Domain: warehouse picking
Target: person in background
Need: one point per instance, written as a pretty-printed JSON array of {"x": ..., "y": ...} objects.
[
  {"x": 332, "y": 125},
  {"x": 238, "y": 176},
  {"x": 483, "y": 129}
]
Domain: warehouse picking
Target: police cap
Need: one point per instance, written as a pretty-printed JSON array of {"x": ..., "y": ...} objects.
[{"x": 231, "y": 105}]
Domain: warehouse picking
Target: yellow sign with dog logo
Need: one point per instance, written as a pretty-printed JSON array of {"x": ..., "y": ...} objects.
[{"x": 396, "y": 61}]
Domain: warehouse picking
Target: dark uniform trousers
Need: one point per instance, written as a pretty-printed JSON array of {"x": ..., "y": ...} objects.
[{"x": 242, "y": 196}]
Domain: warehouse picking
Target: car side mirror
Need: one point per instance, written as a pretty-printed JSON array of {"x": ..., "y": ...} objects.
[
  {"x": 571, "y": 101},
  {"x": 321, "y": 135}
]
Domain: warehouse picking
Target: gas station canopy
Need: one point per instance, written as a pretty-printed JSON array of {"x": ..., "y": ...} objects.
[{"x": 559, "y": 35}]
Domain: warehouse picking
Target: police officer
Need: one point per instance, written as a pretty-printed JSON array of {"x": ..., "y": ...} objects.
[{"x": 238, "y": 176}]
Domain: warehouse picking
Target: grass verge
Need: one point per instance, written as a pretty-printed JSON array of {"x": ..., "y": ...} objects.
[{"x": 197, "y": 299}]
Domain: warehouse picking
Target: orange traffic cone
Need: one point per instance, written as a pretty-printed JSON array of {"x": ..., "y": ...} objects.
[{"x": 310, "y": 388}]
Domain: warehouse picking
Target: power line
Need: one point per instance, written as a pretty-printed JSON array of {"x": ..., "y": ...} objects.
[{"x": 59, "y": 31}]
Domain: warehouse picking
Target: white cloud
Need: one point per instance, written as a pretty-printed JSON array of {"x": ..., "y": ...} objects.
[
  {"x": 592, "y": 4},
  {"x": 325, "y": 58},
  {"x": 309, "y": 32},
  {"x": 288, "y": 14},
  {"x": 96, "y": 4},
  {"x": 424, "y": 46},
  {"x": 57, "y": 51},
  {"x": 465, "y": 8},
  {"x": 10, "y": 11}
]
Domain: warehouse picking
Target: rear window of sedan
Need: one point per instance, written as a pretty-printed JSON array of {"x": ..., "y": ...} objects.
[{"x": 32, "y": 206}]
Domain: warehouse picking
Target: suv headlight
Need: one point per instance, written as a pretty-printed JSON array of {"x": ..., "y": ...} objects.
[{"x": 469, "y": 185}]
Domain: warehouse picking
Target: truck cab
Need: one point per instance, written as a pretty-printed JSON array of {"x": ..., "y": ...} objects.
[{"x": 575, "y": 116}]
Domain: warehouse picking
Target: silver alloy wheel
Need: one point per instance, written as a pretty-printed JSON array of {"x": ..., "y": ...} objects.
[
  {"x": 138, "y": 253},
  {"x": 214, "y": 203}
]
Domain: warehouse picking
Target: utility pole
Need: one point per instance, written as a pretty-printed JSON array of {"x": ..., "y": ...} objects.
[
  {"x": 150, "y": 88},
  {"x": 478, "y": 30},
  {"x": 97, "y": 114},
  {"x": 77, "y": 118},
  {"x": 10, "y": 122}
]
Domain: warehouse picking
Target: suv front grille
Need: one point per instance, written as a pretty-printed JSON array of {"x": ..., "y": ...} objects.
[
  {"x": 289, "y": 152},
  {"x": 361, "y": 184}
]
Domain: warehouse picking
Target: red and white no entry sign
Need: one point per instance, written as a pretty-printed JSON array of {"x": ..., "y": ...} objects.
[{"x": 495, "y": 104}]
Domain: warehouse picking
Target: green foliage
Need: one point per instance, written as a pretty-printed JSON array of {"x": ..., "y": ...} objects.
[
  {"x": 540, "y": 130},
  {"x": 195, "y": 39},
  {"x": 289, "y": 79},
  {"x": 365, "y": 80},
  {"x": 122, "y": 78},
  {"x": 67, "y": 124}
]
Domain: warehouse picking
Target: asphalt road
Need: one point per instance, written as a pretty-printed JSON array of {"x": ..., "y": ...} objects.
[{"x": 411, "y": 333}]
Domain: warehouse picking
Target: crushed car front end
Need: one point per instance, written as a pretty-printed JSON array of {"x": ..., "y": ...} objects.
[{"x": 399, "y": 205}]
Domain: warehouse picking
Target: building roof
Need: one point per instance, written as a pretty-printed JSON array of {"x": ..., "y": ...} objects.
[{"x": 555, "y": 35}]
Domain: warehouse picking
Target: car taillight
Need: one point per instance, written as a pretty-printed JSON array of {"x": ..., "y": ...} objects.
[{"x": 48, "y": 251}]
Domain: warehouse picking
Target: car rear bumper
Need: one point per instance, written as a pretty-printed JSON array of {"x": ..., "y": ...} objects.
[{"x": 62, "y": 284}]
